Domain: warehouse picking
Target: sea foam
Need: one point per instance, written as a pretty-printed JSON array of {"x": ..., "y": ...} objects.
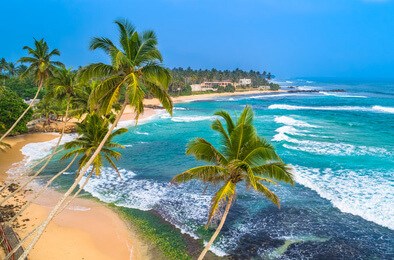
[
  {"x": 378, "y": 109},
  {"x": 366, "y": 193},
  {"x": 36, "y": 151}
]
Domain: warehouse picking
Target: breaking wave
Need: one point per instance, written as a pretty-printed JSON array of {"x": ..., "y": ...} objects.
[
  {"x": 378, "y": 109},
  {"x": 366, "y": 193}
]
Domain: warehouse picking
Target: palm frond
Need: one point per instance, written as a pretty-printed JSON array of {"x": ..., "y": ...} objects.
[
  {"x": 276, "y": 170},
  {"x": 229, "y": 121},
  {"x": 208, "y": 173},
  {"x": 267, "y": 193},
  {"x": 203, "y": 150}
]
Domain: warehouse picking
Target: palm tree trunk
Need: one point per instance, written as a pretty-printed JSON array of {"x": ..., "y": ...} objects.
[
  {"x": 43, "y": 167},
  {"x": 23, "y": 114},
  {"x": 217, "y": 231},
  {"x": 78, "y": 191},
  {"x": 42, "y": 190},
  {"x": 69, "y": 191}
]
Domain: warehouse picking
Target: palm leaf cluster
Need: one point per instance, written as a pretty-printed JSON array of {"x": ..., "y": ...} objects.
[
  {"x": 92, "y": 130},
  {"x": 243, "y": 156},
  {"x": 41, "y": 64},
  {"x": 135, "y": 69}
]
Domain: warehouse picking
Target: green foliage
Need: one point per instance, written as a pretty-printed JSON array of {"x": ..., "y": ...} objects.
[
  {"x": 244, "y": 157},
  {"x": 25, "y": 88},
  {"x": 92, "y": 130},
  {"x": 11, "y": 107},
  {"x": 182, "y": 78},
  {"x": 41, "y": 65},
  {"x": 50, "y": 109},
  {"x": 274, "y": 86},
  {"x": 135, "y": 68},
  {"x": 229, "y": 88}
]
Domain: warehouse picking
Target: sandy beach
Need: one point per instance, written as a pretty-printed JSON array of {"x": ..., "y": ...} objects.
[{"x": 86, "y": 229}]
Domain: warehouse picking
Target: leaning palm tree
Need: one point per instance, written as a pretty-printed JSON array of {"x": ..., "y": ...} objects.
[
  {"x": 41, "y": 67},
  {"x": 91, "y": 131},
  {"x": 244, "y": 157},
  {"x": 135, "y": 69}
]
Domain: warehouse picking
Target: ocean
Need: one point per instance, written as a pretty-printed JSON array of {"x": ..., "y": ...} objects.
[{"x": 340, "y": 145}]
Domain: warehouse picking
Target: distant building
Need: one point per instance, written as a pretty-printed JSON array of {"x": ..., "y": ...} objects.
[
  {"x": 210, "y": 85},
  {"x": 28, "y": 101},
  {"x": 245, "y": 82},
  {"x": 264, "y": 87},
  {"x": 196, "y": 87}
]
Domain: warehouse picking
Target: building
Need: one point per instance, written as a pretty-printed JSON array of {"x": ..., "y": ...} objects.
[
  {"x": 210, "y": 85},
  {"x": 245, "y": 82}
]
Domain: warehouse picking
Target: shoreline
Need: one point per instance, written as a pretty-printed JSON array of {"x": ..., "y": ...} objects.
[
  {"x": 75, "y": 233},
  {"x": 78, "y": 232},
  {"x": 210, "y": 96}
]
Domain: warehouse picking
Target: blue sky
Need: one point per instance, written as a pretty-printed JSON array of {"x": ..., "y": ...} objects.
[{"x": 291, "y": 38}]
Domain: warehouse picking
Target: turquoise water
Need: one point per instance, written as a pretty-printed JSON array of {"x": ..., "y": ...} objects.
[{"x": 341, "y": 146}]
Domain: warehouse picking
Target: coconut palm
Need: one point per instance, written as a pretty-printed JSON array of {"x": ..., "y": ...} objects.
[
  {"x": 11, "y": 68},
  {"x": 135, "y": 69},
  {"x": 80, "y": 101},
  {"x": 244, "y": 157},
  {"x": 41, "y": 67},
  {"x": 91, "y": 131}
]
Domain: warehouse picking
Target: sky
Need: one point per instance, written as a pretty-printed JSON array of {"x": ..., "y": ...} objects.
[{"x": 290, "y": 38}]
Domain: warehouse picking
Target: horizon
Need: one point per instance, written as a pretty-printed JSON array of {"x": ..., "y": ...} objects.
[{"x": 329, "y": 39}]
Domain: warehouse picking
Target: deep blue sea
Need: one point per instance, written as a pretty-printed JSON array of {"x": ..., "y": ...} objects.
[{"x": 341, "y": 146}]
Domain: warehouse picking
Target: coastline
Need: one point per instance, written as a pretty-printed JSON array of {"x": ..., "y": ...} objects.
[
  {"x": 76, "y": 233},
  {"x": 208, "y": 96}
]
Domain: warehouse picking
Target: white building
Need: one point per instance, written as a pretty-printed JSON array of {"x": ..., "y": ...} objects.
[
  {"x": 210, "y": 85},
  {"x": 245, "y": 82}
]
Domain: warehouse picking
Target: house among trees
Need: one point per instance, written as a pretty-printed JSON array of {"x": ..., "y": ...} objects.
[
  {"x": 245, "y": 82},
  {"x": 210, "y": 85}
]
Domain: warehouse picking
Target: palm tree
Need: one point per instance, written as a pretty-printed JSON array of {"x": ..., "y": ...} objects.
[
  {"x": 41, "y": 66},
  {"x": 11, "y": 68},
  {"x": 244, "y": 157},
  {"x": 91, "y": 131},
  {"x": 135, "y": 68}
]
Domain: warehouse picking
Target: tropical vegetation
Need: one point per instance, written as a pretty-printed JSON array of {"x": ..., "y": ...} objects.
[
  {"x": 11, "y": 107},
  {"x": 98, "y": 94},
  {"x": 244, "y": 157}
]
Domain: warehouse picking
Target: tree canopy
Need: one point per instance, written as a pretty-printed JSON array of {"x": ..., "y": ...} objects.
[{"x": 11, "y": 106}]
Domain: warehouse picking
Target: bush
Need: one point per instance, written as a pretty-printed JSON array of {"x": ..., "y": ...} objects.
[
  {"x": 25, "y": 88},
  {"x": 11, "y": 107},
  {"x": 274, "y": 86},
  {"x": 229, "y": 88}
]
